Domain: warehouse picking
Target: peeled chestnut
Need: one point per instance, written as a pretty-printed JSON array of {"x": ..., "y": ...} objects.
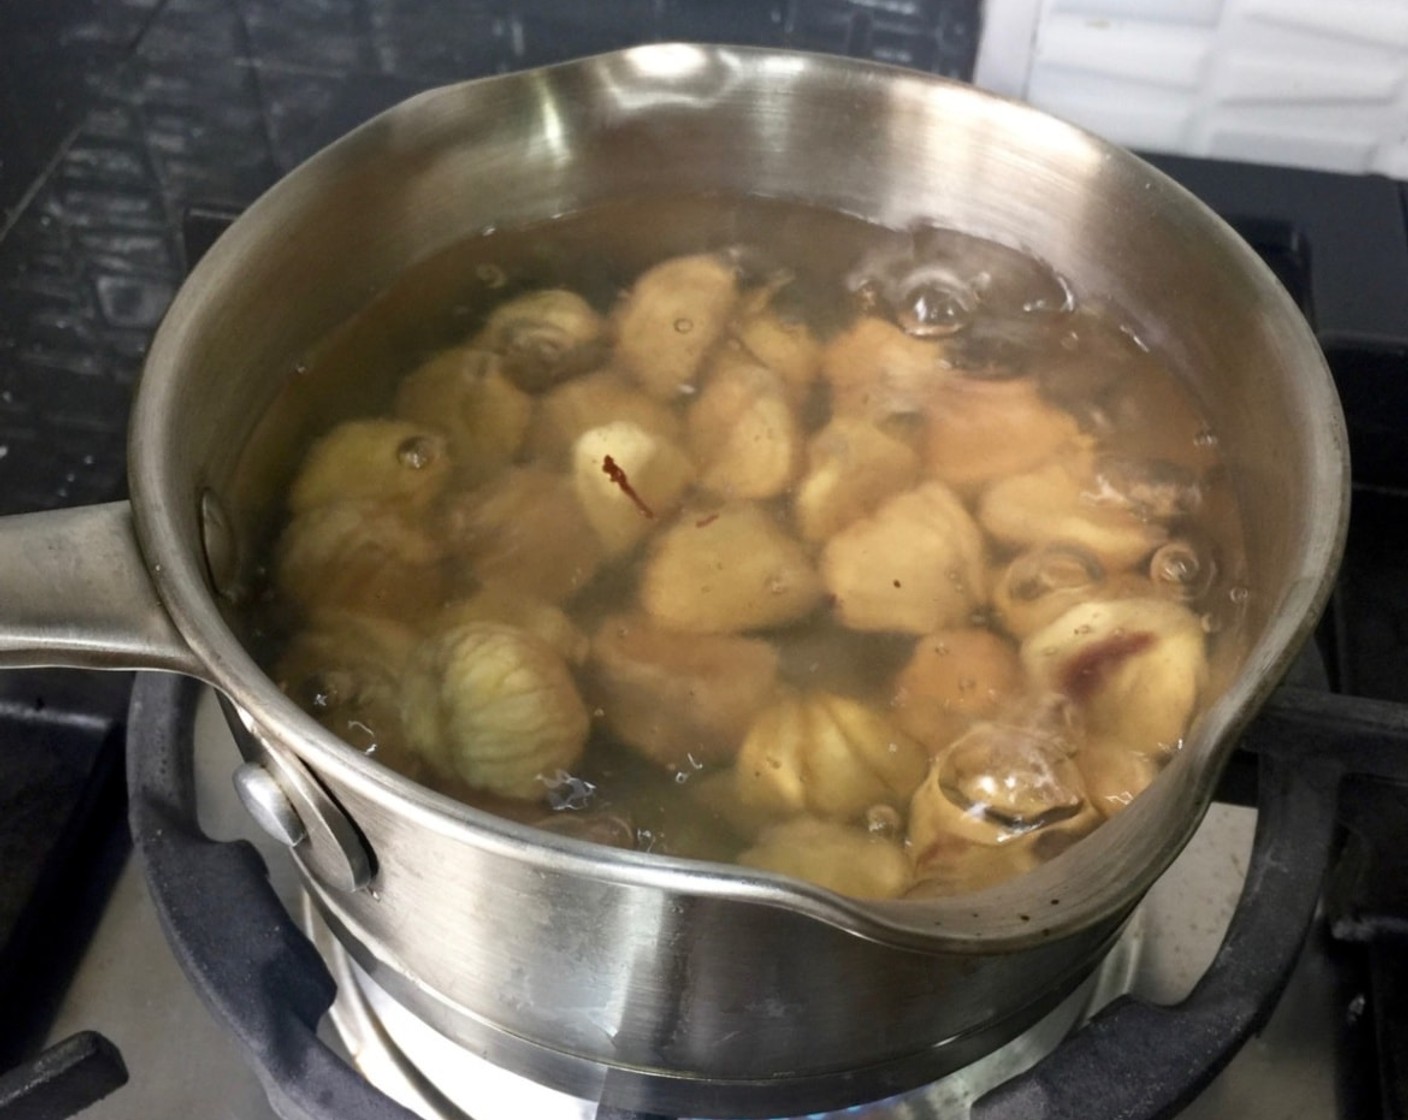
[
  {"x": 917, "y": 565},
  {"x": 849, "y": 860},
  {"x": 464, "y": 393},
  {"x": 495, "y": 706},
  {"x": 827, "y": 755},
  {"x": 545, "y": 337},
  {"x": 1134, "y": 667},
  {"x": 670, "y": 320},
  {"x": 727, "y": 571},
  {"x": 377, "y": 460}
]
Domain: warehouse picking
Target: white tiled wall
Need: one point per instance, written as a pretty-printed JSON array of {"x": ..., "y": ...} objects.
[{"x": 1308, "y": 83}]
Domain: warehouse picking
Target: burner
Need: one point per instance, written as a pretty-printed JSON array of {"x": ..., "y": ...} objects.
[
  {"x": 227, "y": 926},
  {"x": 440, "y": 1080},
  {"x": 242, "y": 951}
]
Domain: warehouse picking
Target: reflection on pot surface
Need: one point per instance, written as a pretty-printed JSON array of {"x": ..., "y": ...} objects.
[{"x": 746, "y": 531}]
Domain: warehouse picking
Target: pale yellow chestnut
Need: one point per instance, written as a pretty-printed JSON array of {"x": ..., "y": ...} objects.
[
  {"x": 950, "y": 863},
  {"x": 584, "y": 403},
  {"x": 628, "y": 481},
  {"x": 828, "y": 755},
  {"x": 917, "y": 565},
  {"x": 368, "y": 557},
  {"x": 377, "y": 460},
  {"x": 953, "y": 678},
  {"x": 670, "y": 320},
  {"x": 842, "y": 858},
  {"x": 784, "y": 345},
  {"x": 495, "y": 707},
  {"x": 1002, "y": 799},
  {"x": 525, "y": 530},
  {"x": 345, "y": 671},
  {"x": 544, "y": 337},
  {"x": 1059, "y": 503},
  {"x": 981, "y": 429},
  {"x": 1039, "y": 585},
  {"x": 1115, "y": 776},
  {"x": 877, "y": 372},
  {"x": 508, "y": 606},
  {"x": 464, "y": 393},
  {"x": 852, "y": 466},
  {"x": 679, "y": 699},
  {"x": 1135, "y": 667},
  {"x": 1016, "y": 769},
  {"x": 725, "y": 571},
  {"x": 743, "y": 433}
]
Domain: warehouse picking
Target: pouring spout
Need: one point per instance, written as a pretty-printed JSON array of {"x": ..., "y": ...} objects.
[{"x": 75, "y": 592}]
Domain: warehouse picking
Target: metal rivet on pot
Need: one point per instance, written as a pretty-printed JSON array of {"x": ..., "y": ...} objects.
[
  {"x": 222, "y": 558},
  {"x": 333, "y": 852},
  {"x": 267, "y": 803}
]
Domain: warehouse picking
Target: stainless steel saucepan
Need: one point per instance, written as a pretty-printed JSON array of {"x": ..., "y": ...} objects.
[{"x": 601, "y": 971}]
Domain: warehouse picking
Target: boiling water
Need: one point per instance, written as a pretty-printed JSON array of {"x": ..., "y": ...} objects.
[{"x": 858, "y": 708}]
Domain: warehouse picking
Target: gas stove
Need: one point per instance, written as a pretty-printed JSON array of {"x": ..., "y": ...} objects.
[{"x": 192, "y": 979}]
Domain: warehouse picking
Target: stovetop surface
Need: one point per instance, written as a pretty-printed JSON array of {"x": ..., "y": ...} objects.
[{"x": 117, "y": 116}]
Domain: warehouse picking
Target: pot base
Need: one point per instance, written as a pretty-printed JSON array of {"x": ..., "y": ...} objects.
[{"x": 439, "y": 1079}]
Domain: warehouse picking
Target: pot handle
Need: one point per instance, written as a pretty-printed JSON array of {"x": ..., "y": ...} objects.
[
  {"x": 230, "y": 933},
  {"x": 75, "y": 592}
]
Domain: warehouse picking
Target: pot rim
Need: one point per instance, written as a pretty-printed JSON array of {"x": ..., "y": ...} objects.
[{"x": 982, "y": 921}]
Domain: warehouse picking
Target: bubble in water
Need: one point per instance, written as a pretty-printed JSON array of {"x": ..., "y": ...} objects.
[
  {"x": 932, "y": 309},
  {"x": 361, "y": 735},
  {"x": 1152, "y": 489},
  {"x": 684, "y": 326},
  {"x": 1139, "y": 343},
  {"x": 1179, "y": 567},
  {"x": 491, "y": 275},
  {"x": 1239, "y": 595},
  {"x": 1206, "y": 437},
  {"x": 884, "y": 821},
  {"x": 416, "y": 452},
  {"x": 867, "y": 295},
  {"x": 567, "y": 791}
]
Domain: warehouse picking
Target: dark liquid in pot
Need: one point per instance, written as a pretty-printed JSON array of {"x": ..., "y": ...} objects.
[{"x": 879, "y": 558}]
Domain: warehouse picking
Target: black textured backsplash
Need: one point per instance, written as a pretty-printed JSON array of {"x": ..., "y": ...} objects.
[{"x": 117, "y": 115}]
